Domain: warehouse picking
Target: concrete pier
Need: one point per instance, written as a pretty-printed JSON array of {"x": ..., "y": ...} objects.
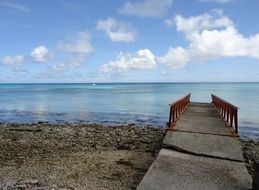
[{"x": 201, "y": 152}]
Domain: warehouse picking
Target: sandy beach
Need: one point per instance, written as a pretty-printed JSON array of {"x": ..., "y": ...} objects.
[{"x": 45, "y": 156}]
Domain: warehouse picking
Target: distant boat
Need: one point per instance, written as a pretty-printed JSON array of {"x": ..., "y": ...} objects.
[{"x": 93, "y": 84}]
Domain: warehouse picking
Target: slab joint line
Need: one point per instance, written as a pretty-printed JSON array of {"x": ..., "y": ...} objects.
[
  {"x": 175, "y": 148},
  {"x": 202, "y": 133}
]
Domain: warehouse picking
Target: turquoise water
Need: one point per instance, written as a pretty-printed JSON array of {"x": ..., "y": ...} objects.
[{"x": 142, "y": 104}]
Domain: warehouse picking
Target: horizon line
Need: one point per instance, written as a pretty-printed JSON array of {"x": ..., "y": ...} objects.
[{"x": 1, "y": 83}]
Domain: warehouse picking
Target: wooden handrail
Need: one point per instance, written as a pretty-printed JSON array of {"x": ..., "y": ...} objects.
[
  {"x": 227, "y": 111},
  {"x": 177, "y": 108}
]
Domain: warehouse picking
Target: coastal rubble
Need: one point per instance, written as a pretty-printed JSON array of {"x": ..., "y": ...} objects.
[
  {"x": 250, "y": 149},
  {"x": 45, "y": 156}
]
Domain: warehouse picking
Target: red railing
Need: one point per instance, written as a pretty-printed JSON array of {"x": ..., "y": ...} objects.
[
  {"x": 227, "y": 111},
  {"x": 177, "y": 108}
]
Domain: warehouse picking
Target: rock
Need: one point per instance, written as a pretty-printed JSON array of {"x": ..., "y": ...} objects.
[
  {"x": 42, "y": 122},
  {"x": 45, "y": 188},
  {"x": 124, "y": 162},
  {"x": 256, "y": 176},
  {"x": 25, "y": 130},
  {"x": 25, "y": 185}
]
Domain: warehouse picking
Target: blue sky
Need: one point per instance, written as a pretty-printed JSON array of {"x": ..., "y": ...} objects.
[{"x": 129, "y": 41}]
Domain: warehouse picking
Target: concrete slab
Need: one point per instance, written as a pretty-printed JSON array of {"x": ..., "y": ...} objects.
[
  {"x": 203, "y": 126},
  {"x": 202, "y": 113},
  {"x": 203, "y": 144},
  {"x": 200, "y": 104},
  {"x": 174, "y": 170},
  {"x": 202, "y": 118},
  {"x": 197, "y": 105}
]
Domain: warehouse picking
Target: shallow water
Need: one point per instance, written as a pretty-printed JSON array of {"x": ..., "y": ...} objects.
[{"x": 142, "y": 104}]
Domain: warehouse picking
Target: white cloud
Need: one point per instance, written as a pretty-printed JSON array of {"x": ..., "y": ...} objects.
[
  {"x": 117, "y": 31},
  {"x": 54, "y": 71},
  {"x": 79, "y": 48},
  {"x": 175, "y": 58},
  {"x": 142, "y": 59},
  {"x": 146, "y": 8},
  {"x": 211, "y": 35},
  {"x": 80, "y": 44},
  {"x": 170, "y": 21},
  {"x": 58, "y": 68},
  {"x": 217, "y": 1},
  {"x": 14, "y": 6},
  {"x": 215, "y": 19},
  {"x": 40, "y": 54},
  {"x": 13, "y": 61}
]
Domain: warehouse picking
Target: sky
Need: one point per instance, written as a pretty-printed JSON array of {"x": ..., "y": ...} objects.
[{"x": 129, "y": 41}]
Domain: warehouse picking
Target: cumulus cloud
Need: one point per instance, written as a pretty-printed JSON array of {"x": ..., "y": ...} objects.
[
  {"x": 146, "y": 8},
  {"x": 175, "y": 58},
  {"x": 211, "y": 35},
  {"x": 215, "y": 19},
  {"x": 79, "y": 48},
  {"x": 15, "y": 62},
  {"x": 58, "y": 68},
  {"x": 117, "y": 31},
  {"x": 54, "y": 71},
  {"x": 40, "y": 54},
  {"x": 142, "y": 59},
  {"x": 217, "y": 1},
  {"x": 80, "y": 44}
]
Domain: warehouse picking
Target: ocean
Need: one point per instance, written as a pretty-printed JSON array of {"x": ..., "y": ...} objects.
[{"x": 144, "y": 104}]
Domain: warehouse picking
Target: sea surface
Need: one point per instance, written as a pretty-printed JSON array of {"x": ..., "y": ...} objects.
[{"x": 141, "y": 104}]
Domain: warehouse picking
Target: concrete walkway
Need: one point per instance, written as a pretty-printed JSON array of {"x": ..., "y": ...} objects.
[{"x": 200, "y": 154}]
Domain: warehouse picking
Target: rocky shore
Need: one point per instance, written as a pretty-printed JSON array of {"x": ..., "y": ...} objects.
[
  {"x": 250, "y": 149},
  {"x": 44, "y": 156}
]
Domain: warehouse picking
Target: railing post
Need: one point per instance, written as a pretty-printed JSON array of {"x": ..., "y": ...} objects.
[
  {"x": 174, "y": 111},
  {"x": 231, "y": 116},
  {"x": 228, "y": 112},
  {"x": 256, "y": 176},
  {"x": 170, "y": 117},
  {"x": 223, "y": 108},
  {"x": 236, "y": 122}
]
